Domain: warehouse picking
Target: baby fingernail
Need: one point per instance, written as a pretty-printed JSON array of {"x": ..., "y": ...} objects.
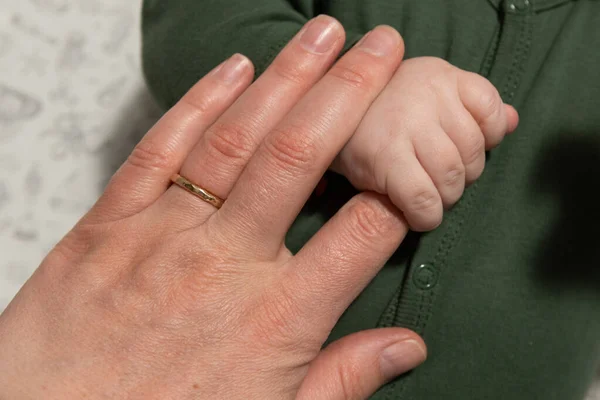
[
  {"x": 381, "y": 41},
  {"x": 232, "y": 69},
  {"x": 401, "y": 357},
  {"x": 320, "y": 35}
]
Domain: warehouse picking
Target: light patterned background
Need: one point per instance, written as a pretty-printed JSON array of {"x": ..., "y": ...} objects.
[{"x": 72, "y": 105}]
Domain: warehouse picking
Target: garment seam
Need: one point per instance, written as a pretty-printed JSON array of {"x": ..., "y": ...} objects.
[{"x": 516, "y": 70}]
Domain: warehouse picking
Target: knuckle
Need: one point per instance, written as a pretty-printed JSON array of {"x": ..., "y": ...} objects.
[
  {"x": 370, "y": 222},
  {"x": 355, "y": 75},
  {"x": 350, "y": 378},
  {"x": 428, "y": 64},
  {"x": 289, "y": 71},
  {"x": 230, "y": 141},
  {"x": 438, "y": 73},
  {"x": 202, "y": 273},
  {"x": 199, "y": 101},
  {"x": 147, "y": 156},
  {"x": 424, "y": 200},
  {"x": 489, "y": 101},
  {"x": 125, "y": 300},
  {"x": 292, "y": 149},
  {"x": 145, "y": 280},
  {"x": 178, "y": 293},
  {"x": 474, "y": 149},
  {"x": 454, "y": 175}
]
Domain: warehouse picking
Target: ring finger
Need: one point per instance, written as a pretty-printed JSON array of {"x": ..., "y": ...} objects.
[
  {"x": 144, "y": 177},
  {"x": 219, "y": 157}
]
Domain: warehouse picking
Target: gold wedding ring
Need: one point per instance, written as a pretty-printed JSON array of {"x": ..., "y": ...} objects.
[{"x": 197, "y": 191}]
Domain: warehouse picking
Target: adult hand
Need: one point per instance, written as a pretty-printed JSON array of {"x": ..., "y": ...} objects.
[{"x": 158, "y": 294}]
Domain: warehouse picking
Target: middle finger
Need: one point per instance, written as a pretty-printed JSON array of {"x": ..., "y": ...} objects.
[
  {"x": 224, "y": 150},
  {"x": 290, "y": 161}
]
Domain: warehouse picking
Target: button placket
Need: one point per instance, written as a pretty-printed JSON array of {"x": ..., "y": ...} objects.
[
  {"x": 414, "y": 301},
  {"x": 413, "y": 304}
]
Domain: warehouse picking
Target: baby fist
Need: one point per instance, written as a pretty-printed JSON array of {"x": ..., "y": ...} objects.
[{"x": 424, "y": 139}]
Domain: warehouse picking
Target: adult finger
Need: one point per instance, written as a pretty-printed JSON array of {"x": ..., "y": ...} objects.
[
  {"x": 145, "y": 175},
  {"x": 293, "y": 157},
  {"x": 222, "y": 153},
  {"x": 355, "y": 366},
  {"x": 343, "y": 257}
]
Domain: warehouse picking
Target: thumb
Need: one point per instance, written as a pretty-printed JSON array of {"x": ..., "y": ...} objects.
[{"x": 355, "y": 366}]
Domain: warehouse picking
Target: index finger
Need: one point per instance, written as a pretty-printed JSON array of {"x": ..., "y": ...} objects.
[{"x": 330, "y": 271}]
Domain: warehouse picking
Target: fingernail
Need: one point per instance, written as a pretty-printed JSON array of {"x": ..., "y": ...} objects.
[
  {"x": 320, "y": 35},
  {"x": 401, "y": 357},
  {"x": 381, "y": 42},
  {"x": 232, "y": 69}
]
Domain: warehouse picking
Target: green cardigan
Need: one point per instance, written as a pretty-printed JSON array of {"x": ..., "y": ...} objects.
[{"x": 506, "y": 292}]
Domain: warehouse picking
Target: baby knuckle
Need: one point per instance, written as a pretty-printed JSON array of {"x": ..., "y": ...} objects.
[
  {"x": 489, "y": 101},
  {"x": 427, "y": 64},
  {"x": 454, "y": 175},
  {"x": 292, "y": 149},
  {"x": 147, "y": 156},
  {"x": 430, "y": 61},
  {"x": 474, "y": 149},
  {"x": 424, "y": 200},
  {"x": 231, "y": 142},
  {"x": 437, "y": 73}
]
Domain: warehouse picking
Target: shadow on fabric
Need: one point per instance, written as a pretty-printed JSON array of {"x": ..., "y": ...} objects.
[{"x": 570, "y": 171}]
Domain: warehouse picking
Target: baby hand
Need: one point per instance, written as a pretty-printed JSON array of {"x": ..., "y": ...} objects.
[{"x": 425, "y": 138}]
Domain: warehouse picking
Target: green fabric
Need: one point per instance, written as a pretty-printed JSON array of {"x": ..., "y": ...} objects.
[{"x": 507, "y": 291}]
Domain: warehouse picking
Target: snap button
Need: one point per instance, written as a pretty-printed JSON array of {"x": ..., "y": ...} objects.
[
  {"x": 519, "y": 5},
  {"x": 425, "y": 276}
]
